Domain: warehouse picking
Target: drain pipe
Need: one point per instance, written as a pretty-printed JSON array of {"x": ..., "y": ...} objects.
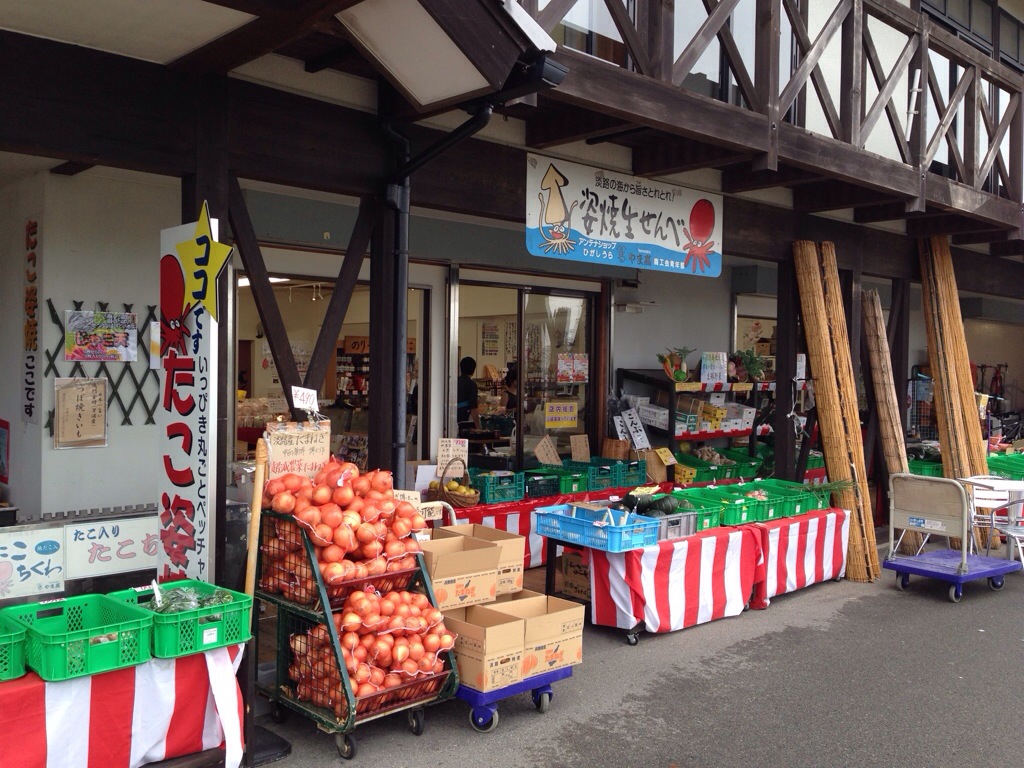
[{"x": 397, "y": 198}]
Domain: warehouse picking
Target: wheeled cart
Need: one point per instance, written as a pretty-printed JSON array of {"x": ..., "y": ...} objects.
[
  {"x": 483, "y": 715},
  {"x": 936, "y": 505}
]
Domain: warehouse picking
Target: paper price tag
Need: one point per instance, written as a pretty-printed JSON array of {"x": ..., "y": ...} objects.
[
  {"x": 413, "y": 497},
  {"x": 431, "y": 510},
  {"x": 305, "y": 399},
  {"x": 635, "y": 429},
  {"x": 666, "y": 456},
  {"x": 580, "y": 448},
  {"x": 546, "y": 452},
  {"x": 449, "y": 448}
]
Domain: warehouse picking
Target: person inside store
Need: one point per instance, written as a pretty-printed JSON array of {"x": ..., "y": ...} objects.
[
  {"x": 511, "y": 393},
  {"x": 466, "y": 398}
]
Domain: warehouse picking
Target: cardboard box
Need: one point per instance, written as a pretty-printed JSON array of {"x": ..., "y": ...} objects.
[
  {"x": 488, "y": 647},
  {"x": 763, "y": 348},
  {"x": 635, "y": 401},
  {"x": 510, "y": 559},
  {"x": 463, "y": 571},
  {"x": 575, "y": 575},
  {"x": 554, "y": 629},
  {"x": 653, "y": 416}
]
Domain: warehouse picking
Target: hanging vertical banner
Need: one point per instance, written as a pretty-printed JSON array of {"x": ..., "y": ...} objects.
[
  {"x": 30, "y": 368},
  {"x": 191, "y": 258},
  {"x": 586, "y": 214}
]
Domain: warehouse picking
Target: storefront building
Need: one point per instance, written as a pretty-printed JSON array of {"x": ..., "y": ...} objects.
[{"x": 281, "y": 135}]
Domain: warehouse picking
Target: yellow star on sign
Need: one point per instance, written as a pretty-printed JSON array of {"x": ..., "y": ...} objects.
[{"x": 202, "y": 259}]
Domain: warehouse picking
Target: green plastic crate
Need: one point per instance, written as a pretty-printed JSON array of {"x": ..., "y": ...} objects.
[
  {"x": 709, "y": 511},
  {"x": 690, "y": 469},
  {"x": 598, "y": 476},
  {"x": 78, "y": 636},
  {"x": 550, "y": 481},
  {"x": 747, "y": 466},
  {"x": 736, "y": 510},
  {"x": 197, "y": 630},
  {"x": 785, "y": 499},
  {"x": 627, "y": 472},
  {"x": 926, "y": 468},
  {"x": 1010, "y": 466},
  {"x": 815, "y": 460},
  {"x": 12, "y": 649},
  {"x": 495, "y": 488}
]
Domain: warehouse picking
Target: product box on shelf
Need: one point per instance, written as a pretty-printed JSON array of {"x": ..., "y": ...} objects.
[
  {"x": 653, "y": 416},
  {"x": 512, "y": 548},
  {"x": 635, "y": 401},
  {"x": 463, "y": 571},
  {"x": 488, "y": 646},
  {"x": 575, "y": 575},
  {"x": 554, "y": 629}
]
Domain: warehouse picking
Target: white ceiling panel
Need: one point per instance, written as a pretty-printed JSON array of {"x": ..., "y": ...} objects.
[
  {"x": 14, "y": 167},
  {"x": 152, "y": 30}
]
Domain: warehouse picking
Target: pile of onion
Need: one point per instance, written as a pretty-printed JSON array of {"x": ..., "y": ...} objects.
[
  {"x": 357, "y": 528},
  {"x": 388, "y": 644}
]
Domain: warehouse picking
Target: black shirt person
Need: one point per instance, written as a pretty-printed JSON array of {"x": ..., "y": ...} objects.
[{"x": 466, "y": 393}]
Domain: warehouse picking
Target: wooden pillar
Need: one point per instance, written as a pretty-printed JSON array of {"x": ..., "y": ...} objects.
[
  {"x": 851, "y": 91},
  {"x": 898, "y": 333},
  {"x": 787, "y": 343},
  {"x": 766, "y": 77},
  {"x": 382, "y": 369}
]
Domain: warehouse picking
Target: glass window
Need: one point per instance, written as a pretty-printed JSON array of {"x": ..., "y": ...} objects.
[
  {"x": 588, "y": 27},
  {"x": 1008, "y": 33},
  {"x": 981, "y": 20},
  {"x": 959, "y": 11}
]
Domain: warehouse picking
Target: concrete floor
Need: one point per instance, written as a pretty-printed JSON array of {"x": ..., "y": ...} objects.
[{"x": 834, "y": 675}]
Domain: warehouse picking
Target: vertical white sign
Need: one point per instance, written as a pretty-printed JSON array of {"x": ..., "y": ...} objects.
[
  {"x": 31, "y": 368},
  {"x": 186, "y": 416}
]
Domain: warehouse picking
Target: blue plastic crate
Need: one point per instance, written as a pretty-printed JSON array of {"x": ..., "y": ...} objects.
[{"x": 591, "y": 528}]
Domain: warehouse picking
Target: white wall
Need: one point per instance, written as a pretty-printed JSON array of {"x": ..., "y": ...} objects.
[
  {"x": 19, "y": 202},
  {"x": 689, "y": 311}
]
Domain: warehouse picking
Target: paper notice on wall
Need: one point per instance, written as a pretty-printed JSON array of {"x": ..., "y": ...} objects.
[
  {"x": 580, "y": 448},
  {"x": 546, "y": 452},
  {"x": 560, "y": 414},
  {"x": 299, "y": 448}
]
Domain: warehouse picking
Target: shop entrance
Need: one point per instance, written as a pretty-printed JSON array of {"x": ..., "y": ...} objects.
[{"x": 534, "y": 353}]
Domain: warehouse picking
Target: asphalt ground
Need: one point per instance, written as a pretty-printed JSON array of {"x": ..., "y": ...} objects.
[{"x": 838, "y": 674}]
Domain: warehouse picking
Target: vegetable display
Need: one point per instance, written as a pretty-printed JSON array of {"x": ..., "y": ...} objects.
[
  {"x": 711, "y": 456},
  {"x": 178, "y": 599},
  {"x": 357, "y": 528}
]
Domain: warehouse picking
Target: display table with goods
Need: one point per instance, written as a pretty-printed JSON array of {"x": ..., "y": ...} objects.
[
  {"x": 96, "y": 696},
  {"x": 799, "y": 551},
  {"x": 359, "y": 631}
]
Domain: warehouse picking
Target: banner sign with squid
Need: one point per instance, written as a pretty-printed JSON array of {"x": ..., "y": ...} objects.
[{"x": 586, "y": 214}]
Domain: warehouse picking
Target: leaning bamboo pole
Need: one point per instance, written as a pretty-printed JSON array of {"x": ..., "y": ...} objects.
[
  {"x": 890, "y": 427},
  {"x": 821, "y": 358},
  {"x": 963, "y": 447},
  {"x": 840, "y": 339}
]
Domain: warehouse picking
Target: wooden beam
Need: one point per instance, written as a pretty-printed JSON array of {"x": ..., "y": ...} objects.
[
  {"x": 564, "y": 126},
  {"x": 739, "y": 179},
  {"x": 552, "y": 14},
  {"x": 72, "y": 168},
  {"x": 324, "y": 350},
  {"x": 343, "y": 52},
  {"x": 985, "y": 236},
  {"x": 667, "y": 156},
  {"x": 1009, "y": 248},
  {"x": 262, "y": 35},
  {"x": 926, "y": 226},
  {"x": 382, "y": 322},
  {"x": 870, "y": 214},
  {"x": 787, "y": 337},
  {"x": 767, "y": 34},
  {"x": 851, "y": 85},
  {"x": 955, "y": 196},
  {"x": 635, "y": 46},
  {"x": 833, "y": 195},
  {"x": 262, "y": 292},
  {"x": 694, "y": 49}
]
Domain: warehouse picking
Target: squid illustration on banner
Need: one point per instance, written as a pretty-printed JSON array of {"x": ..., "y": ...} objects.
[
  {"x": 190, "y": 261},
  {"x": 579, "y": 213}
]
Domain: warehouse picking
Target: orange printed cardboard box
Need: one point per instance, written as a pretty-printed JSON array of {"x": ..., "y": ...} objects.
[
  {"x": 488, "y": 647},
  {"x": 512, "y": 546},
  {"x": 554, "y": 629},
  {"x": 462, "y": 571}
]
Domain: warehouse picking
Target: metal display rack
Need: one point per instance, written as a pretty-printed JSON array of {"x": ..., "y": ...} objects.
[{"x": 339, "y": 710}]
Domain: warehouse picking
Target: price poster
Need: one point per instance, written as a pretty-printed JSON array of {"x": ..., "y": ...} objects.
[
  {"x": 300, "y": 449},
  {"x": 449, "y": 448}
]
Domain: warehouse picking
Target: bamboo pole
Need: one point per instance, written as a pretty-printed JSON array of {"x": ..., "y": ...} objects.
[
  {"x": 843, "y": 359},
  {"x": 255, "y": 512},
  {"x": 894, "y": 449},
  {"x": 826, "y": 391}
]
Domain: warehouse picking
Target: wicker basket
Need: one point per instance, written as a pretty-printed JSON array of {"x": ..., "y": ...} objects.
[
  {"x": 614, "y": 449},
  {"x": 457, "y": 499}
]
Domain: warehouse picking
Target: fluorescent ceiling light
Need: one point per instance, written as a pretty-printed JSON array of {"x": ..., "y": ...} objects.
[{"x": 243, "y": 282}]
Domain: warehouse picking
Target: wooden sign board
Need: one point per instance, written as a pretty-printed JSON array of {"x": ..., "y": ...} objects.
[
  {"x": 546, "y": 452},
  {"x": 580, "y": 448},
  {"x": 299, "y": 448}
]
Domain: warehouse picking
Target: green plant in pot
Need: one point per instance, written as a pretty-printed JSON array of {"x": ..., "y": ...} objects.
[{"x": 749, "y": 365}]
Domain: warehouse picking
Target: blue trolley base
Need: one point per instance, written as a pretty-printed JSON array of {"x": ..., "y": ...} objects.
[
  {"x": 944, "y": 564},
  {"x": 484, "y": 705}
]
